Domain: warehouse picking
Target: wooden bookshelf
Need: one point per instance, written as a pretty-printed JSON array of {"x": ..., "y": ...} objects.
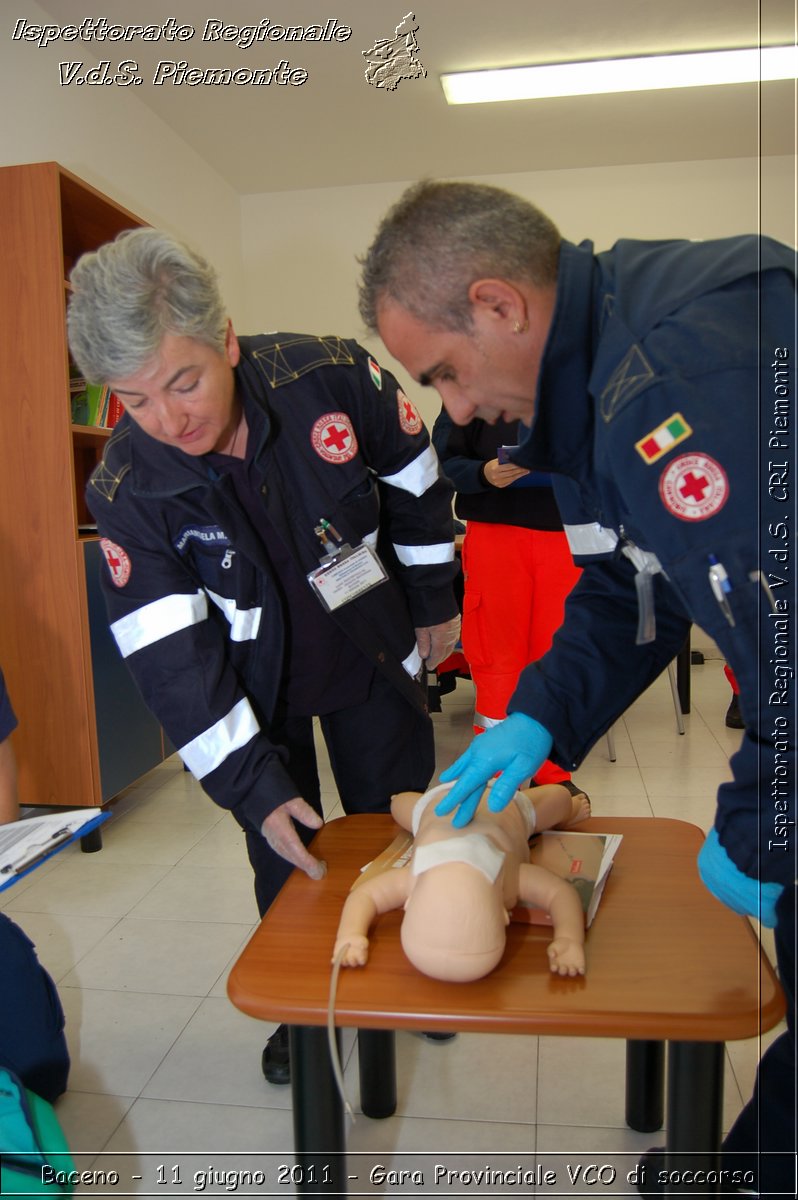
[{"x": 84, "y": 733}]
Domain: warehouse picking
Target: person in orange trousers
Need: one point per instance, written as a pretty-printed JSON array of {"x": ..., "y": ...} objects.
[{"x": 517, "y": 566}]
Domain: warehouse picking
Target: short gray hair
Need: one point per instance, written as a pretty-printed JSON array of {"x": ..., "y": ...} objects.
[
  {"x": 439, "y": 237},
  {"x": 130, "y": 293}
]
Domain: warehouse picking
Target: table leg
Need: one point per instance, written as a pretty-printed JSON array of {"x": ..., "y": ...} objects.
[
  {"x": 695, "y": 1112},
  {"x": 377, "y": 1058},
  {"x": 645, "y": 1085},
  {"x": 319, "y": 1134}
]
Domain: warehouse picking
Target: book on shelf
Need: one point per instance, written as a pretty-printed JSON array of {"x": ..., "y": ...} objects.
[
  {"x": 93, "y": 405},
  {"x": 582, "y": 859},
  {"x": 87, "y": 402},
  {"x": 78, "y": 400},
  {"x": 115, "y": 410}
]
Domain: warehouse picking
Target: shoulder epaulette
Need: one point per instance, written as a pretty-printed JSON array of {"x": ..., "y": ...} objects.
[
  {"x": 114, "y": 465},
  {"x": 292, "y": 355}
]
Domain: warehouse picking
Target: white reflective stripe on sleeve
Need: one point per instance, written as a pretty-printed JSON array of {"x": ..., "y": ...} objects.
[
  {"x": 414, "y": 556},
  {"x": 158, "y": 620},
  {"x": 244, "y": 622},
  {"x": 590, "y": 539},
  {"x": 208, "y": 751},
  {"x": 417, "y": 476},
  {"x": 412, "y": 664}
]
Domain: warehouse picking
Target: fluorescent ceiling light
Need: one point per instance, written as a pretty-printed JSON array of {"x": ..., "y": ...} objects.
[{"x": 622, "y": 75}]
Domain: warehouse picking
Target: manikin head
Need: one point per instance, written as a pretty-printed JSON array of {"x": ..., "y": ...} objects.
[{"x": 454, "y": 925}]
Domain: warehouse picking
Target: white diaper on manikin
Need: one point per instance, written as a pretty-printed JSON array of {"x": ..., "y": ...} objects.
[
  {"x": 435, "y": 794},
  {"x": 475, "y": 849}
]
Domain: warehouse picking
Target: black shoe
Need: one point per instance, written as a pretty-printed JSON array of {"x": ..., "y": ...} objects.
[
  {"x": 734, "y": 718},
  {"x": 276, "y": 1062},
  {"x": 438, "y": 1037}
]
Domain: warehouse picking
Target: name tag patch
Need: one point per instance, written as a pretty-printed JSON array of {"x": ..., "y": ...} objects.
[
  {"x": 348, "y": 575},
  {"x": 207, "y": 535}
]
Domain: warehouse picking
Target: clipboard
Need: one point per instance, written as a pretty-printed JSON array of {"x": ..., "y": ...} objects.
[{"x": 57, "y": 843}]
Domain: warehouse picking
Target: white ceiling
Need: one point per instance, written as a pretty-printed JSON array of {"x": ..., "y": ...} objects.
[{"x": 335, "y": 129}]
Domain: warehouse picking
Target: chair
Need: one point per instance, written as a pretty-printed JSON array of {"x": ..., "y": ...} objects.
[{"x": 677, "y": 708}]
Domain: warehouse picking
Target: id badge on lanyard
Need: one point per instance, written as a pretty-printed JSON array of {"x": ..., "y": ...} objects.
[{"x": 345, "y": 572}]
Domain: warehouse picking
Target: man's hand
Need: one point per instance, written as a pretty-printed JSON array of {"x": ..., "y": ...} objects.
[
  {"x": 737, "y": 891},
  {"x": 436, "y": 642},
  {"x": 278, "y": 829},
  {"x": 501, "y": 475},
  {"x": 516, "y": 747}
]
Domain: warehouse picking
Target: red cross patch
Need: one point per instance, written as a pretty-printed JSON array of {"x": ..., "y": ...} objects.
[
  {"x": 333, "y": 438},
  {"x": 118, "y": 561},
  {"x": 693, "y": 487},
  {"x": 408, "y": 417}
]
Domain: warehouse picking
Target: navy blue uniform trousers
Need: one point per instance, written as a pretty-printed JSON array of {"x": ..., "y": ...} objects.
[
  {"x": 32, "y": 1041},
  {"x": 768, "y": 1120},
  {"x": 376, "y": 749}
]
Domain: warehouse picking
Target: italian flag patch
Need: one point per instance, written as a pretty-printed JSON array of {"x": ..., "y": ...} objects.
[
  {"x": 661, "y": 439},
  {"x": 376, "y": 374}
]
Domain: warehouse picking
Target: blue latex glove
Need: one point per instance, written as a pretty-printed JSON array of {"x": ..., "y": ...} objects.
[
  {"x": 737, "y": 891},
  {"x": 516, "y": 747}
]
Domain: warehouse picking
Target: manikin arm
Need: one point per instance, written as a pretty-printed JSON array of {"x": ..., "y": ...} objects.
[
  {"x": 545, "y": 890},
  {"x": 381, "y": 894}
]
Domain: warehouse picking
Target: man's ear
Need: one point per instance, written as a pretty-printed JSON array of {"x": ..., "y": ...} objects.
[
  {"x": 498, "y": 300},
  {"x": 231, "y": 346}
]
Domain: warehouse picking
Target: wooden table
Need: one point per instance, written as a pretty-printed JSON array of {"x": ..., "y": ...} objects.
[{"x": 666, "y": 962}]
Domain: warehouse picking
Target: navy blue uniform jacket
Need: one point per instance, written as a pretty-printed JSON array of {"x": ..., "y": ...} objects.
[
  {"x": 192, "y": 600},
  {"x": 663, "y": 404}
]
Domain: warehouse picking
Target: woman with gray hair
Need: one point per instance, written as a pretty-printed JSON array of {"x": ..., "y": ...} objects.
[
  {"x": 278, "y": 541},
  {"x": 148, "y": 285}
]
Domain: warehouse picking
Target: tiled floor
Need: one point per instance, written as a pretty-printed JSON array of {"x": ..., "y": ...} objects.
[{"x": 166, "y": 1072}]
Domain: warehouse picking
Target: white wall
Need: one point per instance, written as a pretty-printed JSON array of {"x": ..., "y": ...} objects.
[
  {"x": 298, "y": 269},
  {"x": 301, "y": 247},
  {"x": 107, "y": 137}
]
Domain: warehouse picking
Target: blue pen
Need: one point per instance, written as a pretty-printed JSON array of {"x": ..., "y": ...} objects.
[{"x": 721, "y": 587}]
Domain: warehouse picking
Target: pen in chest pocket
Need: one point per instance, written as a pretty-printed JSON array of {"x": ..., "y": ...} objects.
[{"x": 721, "y": 587}]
